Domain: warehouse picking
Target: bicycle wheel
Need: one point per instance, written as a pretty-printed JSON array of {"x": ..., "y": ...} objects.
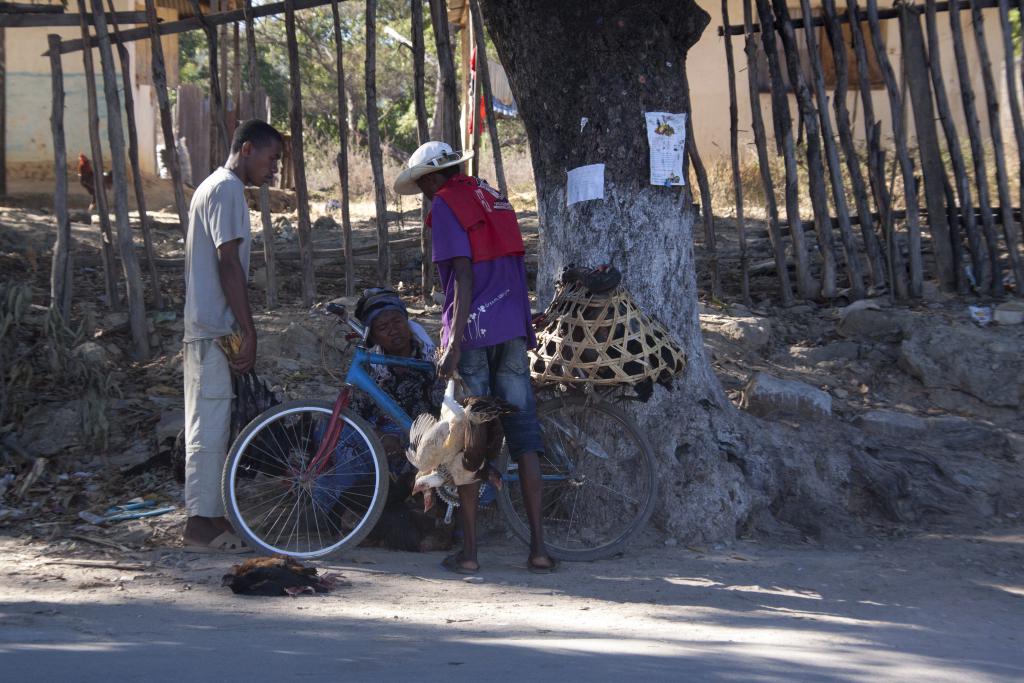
[
  {"x": 598, "y": 475},
  {"x": 281, "y": 502}
]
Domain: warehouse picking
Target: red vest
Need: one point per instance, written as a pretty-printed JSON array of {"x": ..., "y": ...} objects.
[{"x": 486, "y": 216}]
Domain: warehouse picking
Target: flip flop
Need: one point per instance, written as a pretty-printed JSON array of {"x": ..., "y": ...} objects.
[
  {"x": 225, "y": 543},
  {"x": 536, "y": 569},
  {"x": 453, "y": 563}
]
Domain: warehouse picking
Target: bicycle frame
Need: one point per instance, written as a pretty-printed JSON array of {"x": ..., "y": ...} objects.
[{"x": 359, "y": 378}]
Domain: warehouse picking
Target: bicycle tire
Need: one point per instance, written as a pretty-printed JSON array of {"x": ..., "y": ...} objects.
[
  {"x": 561, "y": 540},
  {"x": 269, "y": 458}
]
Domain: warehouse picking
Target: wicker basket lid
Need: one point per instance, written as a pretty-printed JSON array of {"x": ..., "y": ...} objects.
[{"x": 602, "y": 339}]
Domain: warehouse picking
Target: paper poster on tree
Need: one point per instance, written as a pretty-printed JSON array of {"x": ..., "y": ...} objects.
[{"x": 666, "y": 134}]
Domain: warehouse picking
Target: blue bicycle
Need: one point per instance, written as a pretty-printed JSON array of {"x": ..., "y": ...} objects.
[{"x": 308, "y": 478}]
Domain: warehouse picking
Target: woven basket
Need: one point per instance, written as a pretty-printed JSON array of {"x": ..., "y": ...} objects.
[{"x": 602, "y": 339}]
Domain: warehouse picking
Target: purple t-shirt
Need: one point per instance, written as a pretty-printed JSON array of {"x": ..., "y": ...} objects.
[{"x": 500, "y": 308}]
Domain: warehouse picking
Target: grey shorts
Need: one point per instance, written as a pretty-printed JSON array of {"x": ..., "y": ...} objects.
[{"x": 503, "y": 370}]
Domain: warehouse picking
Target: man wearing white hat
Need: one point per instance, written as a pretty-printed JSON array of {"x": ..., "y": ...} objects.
[{"x": 487, "y": 326}]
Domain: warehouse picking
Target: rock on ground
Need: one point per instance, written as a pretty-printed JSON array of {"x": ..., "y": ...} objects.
[{"x": 766, "y": 395}]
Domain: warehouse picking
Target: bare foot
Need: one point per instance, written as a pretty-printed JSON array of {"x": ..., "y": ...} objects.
[{"x": 202, "y": 530}]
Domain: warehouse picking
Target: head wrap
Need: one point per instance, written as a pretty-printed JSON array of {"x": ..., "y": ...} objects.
[{"x": 375, "y": 301}]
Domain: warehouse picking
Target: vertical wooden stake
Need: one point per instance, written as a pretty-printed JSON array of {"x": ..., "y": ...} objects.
[
  {"x": 373, "y": 142},
  {"x": 734, "y": 153},
  {"x": 133, "y": 158},
  {"x": 299, "y": 160},
  {"x": 343, "y": 137},
  {"x": 835, "y": 171},
  {"x": 902, "y": 152},
  {"x": 115, "y": 134},
  {"x": 268, "y": 226},
  {"x": 761, "y": 142},
  {"x": 236, "y": 73},
  {"x": 107, "y": 252},
  {"x": 1009, "y": 229},
  {"x": 60, "y": 269},
  {"x": 449, "y": 101},
  {"x": 962, "y": 180},
  {"x": 422, "y": 136},
  {"x": 483, "y": 76},
  {"x": 166, "y": 124},
  {"x": 707, "y": 212},
  {"x": 992, "y": 278},
  {"x": 218, "y": 131}
]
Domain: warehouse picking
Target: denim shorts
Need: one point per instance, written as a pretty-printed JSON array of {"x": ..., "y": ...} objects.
[{"x": 503, "y": 370}]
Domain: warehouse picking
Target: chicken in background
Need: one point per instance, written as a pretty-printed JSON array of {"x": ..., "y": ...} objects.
[
  {"x": 87, "y": 177},
  {"x": 454, "y": 448}
]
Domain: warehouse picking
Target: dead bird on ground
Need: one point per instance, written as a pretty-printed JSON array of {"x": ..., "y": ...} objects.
[{"x": 276, "y": 576}]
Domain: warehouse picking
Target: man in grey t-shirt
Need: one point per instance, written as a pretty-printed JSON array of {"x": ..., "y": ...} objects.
[{"x": 216, "y": 305}]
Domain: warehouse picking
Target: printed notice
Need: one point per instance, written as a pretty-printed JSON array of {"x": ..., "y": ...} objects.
[
  {"x": 666, "y": 134},
  {"x": 585, "y": 182}
]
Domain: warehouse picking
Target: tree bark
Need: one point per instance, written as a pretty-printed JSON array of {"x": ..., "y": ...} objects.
[
  {"x": 268, "y": 226},
  {"x": 449, "y": 100},
  {"x": 783, "y": 124},
  {"x": 483, "y": 76},
  {"x": 373, "y": 141},
  {"x": 299, "y": 160},
  {"x": 3, "y": 111},
  {"x": 166, "y": 123},
  {"x": 902, "y": 152},
  {"x": 993, "y": 277},
  {"x": 422, "y": 136},
  {"x": 107, "y": 251},
  {"x": 963, "y": 181},
  {"x": 129, "y": 261},
  {"x": 734, "y": 153},
  {"x": 815, "y": 168},
  {"x": 60, "y": 270},
  {"x": 932, "y": 166},
  {"x": 761, "y": 142},
  {"x": 343, "y": 137},
  {"x": 133, "y": 158},
  {"x": 875, "y": 260},
  {"x": 835, "y": 171}
]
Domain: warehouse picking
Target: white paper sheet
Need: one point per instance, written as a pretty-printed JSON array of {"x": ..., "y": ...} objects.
[
  {"x": 666, "y": 134},
  {"x": 585, "y": 182}
]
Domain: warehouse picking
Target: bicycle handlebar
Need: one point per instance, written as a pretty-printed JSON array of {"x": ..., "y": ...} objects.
[{"x": 340, "y": 311}]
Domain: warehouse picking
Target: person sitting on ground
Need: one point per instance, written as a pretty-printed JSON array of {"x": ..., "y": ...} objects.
[{"x": 403, "y": 526}]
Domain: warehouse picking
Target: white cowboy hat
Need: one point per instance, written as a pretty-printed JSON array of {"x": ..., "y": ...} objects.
[{"x": 429, "y": 157}]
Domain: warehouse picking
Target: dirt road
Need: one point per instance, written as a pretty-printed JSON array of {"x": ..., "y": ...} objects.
[{"x": 936, "y": 608}]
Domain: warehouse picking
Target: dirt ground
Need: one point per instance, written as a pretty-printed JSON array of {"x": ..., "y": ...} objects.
[{"x": 82, "y": 602}]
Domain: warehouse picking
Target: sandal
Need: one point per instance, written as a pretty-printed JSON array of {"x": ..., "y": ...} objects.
[
  {"x": 453, "y": 563},
  {"x": 226, "y": 543},
  {"x": 541, "y": 569}
]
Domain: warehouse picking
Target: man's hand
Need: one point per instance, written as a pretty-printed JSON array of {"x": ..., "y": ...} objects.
[
  {"x": 245, "y": 359},
  {"x": 449, "y": 366}
]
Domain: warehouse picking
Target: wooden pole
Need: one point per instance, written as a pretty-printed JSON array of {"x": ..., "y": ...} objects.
[
  {"x": 761, "y": 142},
  {"x": 734, "y": 153},
  {"x": 115, "y": 134},
  {"x": 343, "y": 137},
  {"x": 835, "y": 170},
  {"x": 993, "y": 276},
  {"x": 166, "y": 123},
  {"x": 707, "y": 213},
  {"x": 473, "y": 96},
  {"x": 483, "y": 75},
  {"x": 963, "y": 184},
  {"x": 1012, "y": 235},
  {"x": 133, "y": 158},
  {"x": 784, "y": 139},
  {"x": 223, "y": 44},
  {"x": 422, "y": 136},
  {"x": 100, "y": 190},
  {"x": 60, "y": 269},
  {"x": 932, "y": 165},
  {"x": 1002, "y": 179},
  {"x": 449, "y": 102},
  {"x": 875, "y": 261},
  {"x": 218, "y": 131},
  {"x": 3, "y": 111},
  {"x": 299, "y": 159},
  {"x": 373, "y": 142},
  {"x": 815, "y": 168},
  {"x": 902, "y": 152},
  {"x": 236, "y": 74}
]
